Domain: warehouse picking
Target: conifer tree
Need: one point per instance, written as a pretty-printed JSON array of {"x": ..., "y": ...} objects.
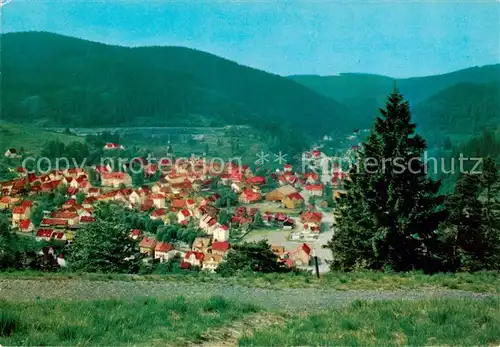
[
  {"x": 473, "y": 228},
  {"x": 392, "y": 210}
]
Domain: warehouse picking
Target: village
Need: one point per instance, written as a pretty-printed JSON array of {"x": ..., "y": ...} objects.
[{"x": 291, "y": 213}]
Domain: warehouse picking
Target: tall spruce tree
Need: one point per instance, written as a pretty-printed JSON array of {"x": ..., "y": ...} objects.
[
  {"x": 462, "y": 232},
  {"x": 392, "y": 211},
  {"x": 473, "y": 228}
]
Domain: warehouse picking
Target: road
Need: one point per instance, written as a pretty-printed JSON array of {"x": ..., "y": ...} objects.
[{"x": 280, "y": 237}]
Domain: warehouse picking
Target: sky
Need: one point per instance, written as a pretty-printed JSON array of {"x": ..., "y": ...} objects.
[{"x": 395, "y": 38}]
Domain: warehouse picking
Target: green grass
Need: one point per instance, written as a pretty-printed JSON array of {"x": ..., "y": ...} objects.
[
  {"x": 389, "y": 323},
  {"x": 29, "y": 137},
  {"x": 486, "y": 282},
  {"x": 112, "y": 322},
  {"x": 181, "y": 321}
]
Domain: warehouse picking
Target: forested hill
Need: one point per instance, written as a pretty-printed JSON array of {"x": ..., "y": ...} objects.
[
  {"x": 364, "y": 93},
  {"x": 59, "y": 80},
  {"x": 464, "y": 108}
]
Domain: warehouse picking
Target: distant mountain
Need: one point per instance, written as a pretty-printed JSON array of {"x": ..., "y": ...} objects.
[
  {"x": 58, "y": 80},
  {"x": 463, "y": 108},
  {"x": 364, "y": 93}
]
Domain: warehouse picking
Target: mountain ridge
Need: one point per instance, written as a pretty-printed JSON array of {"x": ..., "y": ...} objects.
[{"x": 57, "y": 79}]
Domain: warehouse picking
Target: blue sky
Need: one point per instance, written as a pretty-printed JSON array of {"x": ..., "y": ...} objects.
[{"x": 399, "y": 39}]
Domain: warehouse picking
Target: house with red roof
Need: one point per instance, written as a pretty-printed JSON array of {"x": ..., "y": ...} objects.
[
  {"x": 19, "y": 213},
  {"x": 147, "y": 246},
  {"x": 256, "y": 180},
  {"x": 26, "y": 226},
  {"x": 311, "y": 177},
  {"x": 194, "y": 258},
  {"x": 211, "y": 262},
  {"x": 311, "y": 220},
  {"x": 249, "y": 196},
  {"x": 4, "y": 202},
  {"x": 54, "y": 223},
  {"x": 314, "y": 189},
  {"x": 110, "y": 146},
  {"x": 207, "y": 223},
  {"x": 220, "y": 247},
  {"x": 164, "y": 251},
  {"x": 183, "y": 215},
  {"x": 298, "y": 257},
  {"x": 44, "y": 234},
  {"x": 115, "y": 179},
  {"x": 267, "y": 217},
  {"x": 220, "y": 232},
  {"x": 293, "y": 200},
  {"x": 136, "y": 198},
  {"x": 72, "y": 218},
  {"x": 94, "y": 192},
  {"x": 158, "y": 200},
  {"x": 158, "y": 214},
  {"x": 87, "y": 219},
  {"x": 135, "y": 234}
]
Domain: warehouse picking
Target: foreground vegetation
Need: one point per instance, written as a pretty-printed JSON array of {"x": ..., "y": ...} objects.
[
  {"x": 479, "y": 282},
  {"x": 180, "y": 321},
  {"x": 390, "y": 323},
  {"x": 113, "y": 322}
]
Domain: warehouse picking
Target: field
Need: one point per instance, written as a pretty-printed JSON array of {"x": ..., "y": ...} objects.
[
  {"x": 141, "y": 321},
  {"x": 29, "y": 137},
  {"x": 220, "y": 322},
  {"x": 389, "y": 323}
]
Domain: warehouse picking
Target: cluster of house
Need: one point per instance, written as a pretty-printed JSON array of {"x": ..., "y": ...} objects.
[
  {"x": 172, "y": 198},
  {"x": 206, "y": 252}
]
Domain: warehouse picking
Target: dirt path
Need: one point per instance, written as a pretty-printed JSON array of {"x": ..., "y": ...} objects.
[
  {"x": 280, "y": 299},
  {"x": 229, "y": 336}
]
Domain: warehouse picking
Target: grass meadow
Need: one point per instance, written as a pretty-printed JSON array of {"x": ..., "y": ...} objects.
[
  {"x": 389, "y": 323},
  {"x": 140, "y": 321},
  {"x": 217, "y": 322}
]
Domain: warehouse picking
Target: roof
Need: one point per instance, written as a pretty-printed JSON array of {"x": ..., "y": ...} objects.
[
  {"x": 221, "y": 246},
  {"x": 87, "y": 219},
  {"x": 185, "y": 212},
  {"x": 256, "y": 180},
  {"x": 163, "y": 247},
  {"x": 147, "y": 242},
  {"x": 158, "y": 212},
  {"x": 251, "y": 195},
  {"x": 24, "y": 223},
  {"x": 310, "y": 216},
  {"x": 64, "y": 215},
  {"x": 295, "y": 196},
  {"x": 305, "y": 247},
  {"x": 135, "y": 232},
  {"x": 54, "y": 221},
  {"x": 178, "y": 203},
  {"x": 313, "y": 187},
  {"x": 198, "y": 255},
  {"x": 114, "y": 175},
  {"x": 44, "y": 232},
  {"x": 18, "y": 210}
]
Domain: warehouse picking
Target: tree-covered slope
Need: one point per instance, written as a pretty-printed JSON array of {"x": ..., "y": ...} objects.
[
  {"x": 364, "y": 93},
  {"x": 59, "y": 80},
  {"x": 463, "y": 108}
]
